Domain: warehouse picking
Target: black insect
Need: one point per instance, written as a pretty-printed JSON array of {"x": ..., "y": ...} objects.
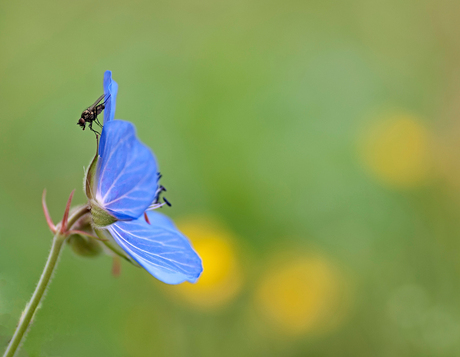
[{"x": 90, "y": 114}]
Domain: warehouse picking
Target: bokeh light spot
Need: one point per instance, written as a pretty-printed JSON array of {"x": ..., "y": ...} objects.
[
  {"x": 397, "y": 150},
  {"x": 221, "y": 279},
  {"x": 302, "y": 294}
]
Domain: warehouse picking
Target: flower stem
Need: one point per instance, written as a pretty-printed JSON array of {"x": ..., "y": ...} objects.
[
  {"x": 32, "y": 305},
  {"x": 37, "y": 296}
]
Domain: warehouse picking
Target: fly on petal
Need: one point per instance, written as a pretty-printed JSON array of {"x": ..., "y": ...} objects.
[
  {"x": 126, "y": 172},
  {"x": 110, "y": 91},
  {"x": 158, "y": 247},
  {"x": 126, "y": 180}
]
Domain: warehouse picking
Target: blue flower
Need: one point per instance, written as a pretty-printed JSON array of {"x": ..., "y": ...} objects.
[
  {"x": 123, "y": 190},
  {"x": 127, "y": 178}
]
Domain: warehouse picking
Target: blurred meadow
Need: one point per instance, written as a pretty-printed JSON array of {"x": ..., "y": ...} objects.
[{"x": 311, "y": 152}]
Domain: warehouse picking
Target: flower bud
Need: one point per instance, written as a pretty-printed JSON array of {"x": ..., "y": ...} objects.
[{"x": 84, "y": 246}]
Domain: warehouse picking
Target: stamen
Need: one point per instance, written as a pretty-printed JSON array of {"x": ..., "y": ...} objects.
[
  {"x": 155, "y": 206},
  {"x": 156, "y": 202},
  {"x": 158, "y": 192},
  {"x": 146, "y": 218}
]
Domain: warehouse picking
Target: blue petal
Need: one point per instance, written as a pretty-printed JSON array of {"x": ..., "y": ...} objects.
[
  {"x": 159, "y": 247},
  {"x": 126, "y": 172},
  {"x": 110, "y": 91}
]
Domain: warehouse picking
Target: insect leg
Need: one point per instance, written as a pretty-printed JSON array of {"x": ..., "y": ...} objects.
[{"x": 91, "y": 127}]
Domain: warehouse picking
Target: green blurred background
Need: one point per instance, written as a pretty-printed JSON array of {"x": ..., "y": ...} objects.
[{"x": 311, "y": 152}]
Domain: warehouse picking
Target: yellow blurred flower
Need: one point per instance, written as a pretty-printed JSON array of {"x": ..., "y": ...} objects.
[
  {"x": 302, "y": 294},
  {"x": 221, "y": 279},
  {"x": 397, "y": 150}
]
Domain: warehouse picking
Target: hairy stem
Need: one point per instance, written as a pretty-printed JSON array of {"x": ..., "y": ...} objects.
[{"x": 42, "y": 285}]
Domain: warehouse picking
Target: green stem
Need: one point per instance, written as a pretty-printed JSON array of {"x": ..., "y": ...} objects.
[
  {"x": 32, "y": 305},
  {"x": 77, "y": 215}
]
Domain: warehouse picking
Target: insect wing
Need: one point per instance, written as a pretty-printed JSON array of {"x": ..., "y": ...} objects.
[{"x": 91, "y": 108}]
